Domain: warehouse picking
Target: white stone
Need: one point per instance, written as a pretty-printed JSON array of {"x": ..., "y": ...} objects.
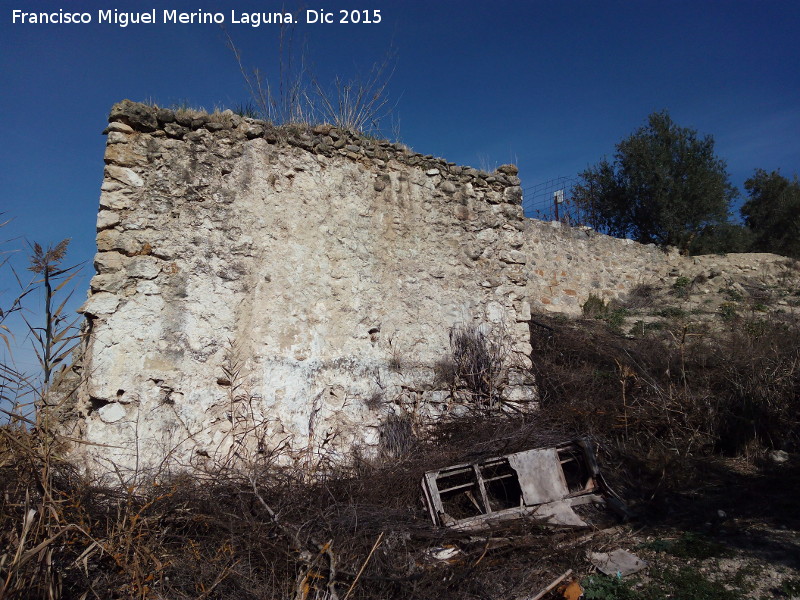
[
  {"x": 111, "y": 413},
  {"x": 120, "y": 127},
  {"x": 106, "y": 219},
  {"x": 143, "y": 267},
  {"x": 495, "y": 312},
  {"x": 115, "y": 200},
  {"x": 124, "y": 175},
  {"x": 116, "y": 137},
  {"x": 110, "y": 185},
  {"x": 101, "y": 303},
  {"x": 520, "y": 393},
  {"x": 108, "y": 262},
  {"x": 524, "y": 311}
]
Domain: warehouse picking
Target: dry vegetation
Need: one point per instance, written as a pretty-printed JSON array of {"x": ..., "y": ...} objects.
[
  {"x": 665, "y": 409},
  {"x": 685, "y": 417}
]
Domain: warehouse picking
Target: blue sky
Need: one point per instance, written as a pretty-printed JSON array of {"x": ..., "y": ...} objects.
[{"x": 551, "y": 86}]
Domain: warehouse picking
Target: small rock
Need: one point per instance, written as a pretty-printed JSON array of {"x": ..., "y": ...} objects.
[
  {"x": 111, "y": 413},
  {"x": 124, "y": 175},
  {"x": 432, "y": 172},
  {"x": 174, "y": 130},
  {"x": 254, "y": 131},
  {"x": 381, "y": 183},
  {"x": 779, "y": 456},
  {"x": 102, "y": 303},
  {"x": 117, "y": 126},
  {"x": 116, "y": 137},
  {"x": 106, "y": 219},
  {"x": 323, "y": 129},
  {"x": 508, "y": 169},
  {"x": 165, "y": 115},
  {"x": 138, "y": 116},
  {"x": 184, "y": 118}
]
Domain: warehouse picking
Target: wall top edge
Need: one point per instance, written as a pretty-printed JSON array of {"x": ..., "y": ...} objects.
[{"x": 191, "y": 125}]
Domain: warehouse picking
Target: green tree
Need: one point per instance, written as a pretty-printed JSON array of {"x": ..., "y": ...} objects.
[
  {"x": 722, "y": 238},
  {"x": 664, "y": 186},
  {"x": 773, "y": 212}
]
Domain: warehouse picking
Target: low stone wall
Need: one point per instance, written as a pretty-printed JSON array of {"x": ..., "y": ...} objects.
[
  {"x": 567, "y": 264},
  {"x": 260, "y": 287}
]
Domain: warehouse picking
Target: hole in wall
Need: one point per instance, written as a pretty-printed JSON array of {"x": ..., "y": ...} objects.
[{"x": 96, "y": 404}]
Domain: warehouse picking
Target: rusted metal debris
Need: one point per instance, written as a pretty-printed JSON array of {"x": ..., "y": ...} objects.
[{"x": 546, "y": 484}]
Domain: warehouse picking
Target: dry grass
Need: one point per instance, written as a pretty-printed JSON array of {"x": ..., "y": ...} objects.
[
  {"x": 266, "y": 532},
  {"x": 361, "y": 531},
  {"x": 664, "y": 401}
]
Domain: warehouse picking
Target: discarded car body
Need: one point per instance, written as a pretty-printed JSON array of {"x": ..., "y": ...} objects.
[{"x": 543, "y": 483}]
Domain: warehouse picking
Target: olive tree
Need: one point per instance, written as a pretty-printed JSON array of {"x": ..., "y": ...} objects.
[
  {"x": 664, "y": 186},
  {"x": 772, "y": 212}
]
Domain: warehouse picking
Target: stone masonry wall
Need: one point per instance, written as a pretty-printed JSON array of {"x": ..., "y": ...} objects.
[
  {"x": 567, "y": 264},
  {"x": 260, "y": 287},
  {"x": 294, "y": 288},
  {"x": 564, "y": 265}
]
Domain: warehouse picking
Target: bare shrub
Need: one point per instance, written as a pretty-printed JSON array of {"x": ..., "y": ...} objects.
[
  {"x": 680, "y": 394},
  {"x": 594, "y": 307},
  {"x": 397, "y": 435},
  {"x": 445, "y": 372},
  {"x": 297, "y": 95},
  {"x": 262, "y": 532},
  {"x": 357, "y": 104},
  {"x": 376, "y": 400},
  {"x": 641, "y": 296},
  {"x": 478, "y": 363}
]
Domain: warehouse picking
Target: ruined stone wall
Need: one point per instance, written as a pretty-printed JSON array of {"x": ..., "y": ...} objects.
[
  {"x": 564, "y": 265},
  {"x": 260, "y": 287},
  {"x": 567, "y": 264}
]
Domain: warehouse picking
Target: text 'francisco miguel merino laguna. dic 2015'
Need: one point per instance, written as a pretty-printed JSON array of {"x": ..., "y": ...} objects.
[{"x": 198, "y": 17}]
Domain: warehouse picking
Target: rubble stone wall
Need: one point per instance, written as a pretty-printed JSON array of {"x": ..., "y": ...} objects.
[
  {"x": 286, "y": 286},
  {"x": 294, "y": 288},
  {"x": 565, "y": 265}
]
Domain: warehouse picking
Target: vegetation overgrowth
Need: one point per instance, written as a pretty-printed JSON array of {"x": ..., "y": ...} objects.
[
  {"x": 664, "y": 407},
  {"x": 667, "y": 407}
]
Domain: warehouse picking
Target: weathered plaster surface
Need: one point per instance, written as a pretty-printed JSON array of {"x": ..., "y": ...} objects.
[
  {"x": 262, "y": 288},
  {"x": 300, "y": 284}
]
